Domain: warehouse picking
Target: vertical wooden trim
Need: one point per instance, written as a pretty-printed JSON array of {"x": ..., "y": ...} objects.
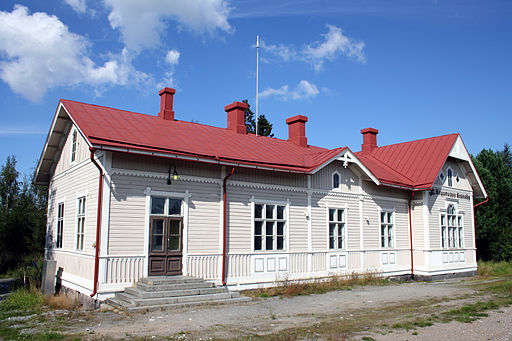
[
  {"x": 147, "y": 192},
  {"x": 184, "y": 237},
  {"x": 310, "y": 227},
  {"x": 361, "y": 233},
  {"x": 105, "y": 215}
]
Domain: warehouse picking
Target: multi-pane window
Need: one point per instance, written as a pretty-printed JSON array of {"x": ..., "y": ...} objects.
[
  {"x": 74, "y": 143},
  {"x": 80, "y": 222},
  {"x": 386, "y": 229},
  {"x": 60, "y": 224},
  {"x": 452, "y": 233},
  {"x": 165, "y": 206},
  {"x": 336, "y": 228},
  {"x": 269, "y": 227},
  {"x": 335, "y": 180},
  {"x": 450, "y": 177}
]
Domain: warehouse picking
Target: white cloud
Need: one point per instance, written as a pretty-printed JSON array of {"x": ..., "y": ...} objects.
[
  {"x": 303, "y": 90},
  {"x": 333, "y": 44},
  {"x": 172, "y": 58},
  {"x": 78, "y": 6},
  {"x": 38, "y": 52},
  {"x": 143, "y": 22}
]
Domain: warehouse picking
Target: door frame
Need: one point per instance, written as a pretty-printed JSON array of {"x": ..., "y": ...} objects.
[{"x": 185, "y": 196}]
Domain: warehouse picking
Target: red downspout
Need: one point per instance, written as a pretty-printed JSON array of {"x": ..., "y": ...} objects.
[
  {"x": 98, "y": 224},
  {"x": 225, "y": 226},
  {"x": 481, "y": 203},
  {"x": 410, "y": 233}
]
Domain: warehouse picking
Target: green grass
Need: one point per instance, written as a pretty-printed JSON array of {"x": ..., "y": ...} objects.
[
  {"x": 494, "y": 268},
  {"x": 21, "y": 300}
]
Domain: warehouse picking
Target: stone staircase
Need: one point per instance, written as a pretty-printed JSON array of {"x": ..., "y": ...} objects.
[{"x": 156, "y": 293}]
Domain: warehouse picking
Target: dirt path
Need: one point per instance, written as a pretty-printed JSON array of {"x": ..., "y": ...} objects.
[
  {"x": 272, "y": 315},
  {"x": 497, "y": 326}
]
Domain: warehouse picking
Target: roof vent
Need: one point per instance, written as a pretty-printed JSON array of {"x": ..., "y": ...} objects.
[
  {"x": 297, "y": 130},
  {"x": 166, "y": 98},
  {"x": 369, "y": 140},
  {"x": 236, "y": 117}
]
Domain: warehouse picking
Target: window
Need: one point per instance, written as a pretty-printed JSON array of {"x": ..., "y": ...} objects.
[
  {"x": 80, "y": 222},
  {"x": 74, "y": 143},
  {"x": 60, "y": 225},
  {"x": 450, "y": 177},
  {"x": 269, "y": 227},
  {"x": 386, "y": 229},
  {"x": 452, "y": 233},
  {"x": 165, "y": 206},
  {"x": 335, "y": 180},
  {"x": 336, "y": 228}
]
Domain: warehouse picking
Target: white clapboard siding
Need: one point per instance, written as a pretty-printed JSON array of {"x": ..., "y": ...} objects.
[
  {"x": 349, "y": 182},
  {"x": 269, "y": 177},
  {"x": 160, "y": 165},
  {"x": 127, "y": 213},
  {"x": 82, "y": 152},
  {"x": 74, "y": 263},
  {"x": 418, "y": 225}
]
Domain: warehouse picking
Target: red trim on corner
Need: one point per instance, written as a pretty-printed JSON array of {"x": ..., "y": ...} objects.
[
  {"x": 224, "y": 234},
  {"x": 98, "y": 225}
]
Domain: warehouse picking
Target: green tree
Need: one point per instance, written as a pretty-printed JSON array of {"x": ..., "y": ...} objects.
[
  {"x": 264, "y": 126},
  {"x": 493, "y": 220},
  {"x": 22, "y": 219}
]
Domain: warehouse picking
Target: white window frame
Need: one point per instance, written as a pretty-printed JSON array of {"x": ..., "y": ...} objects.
[
  {"x": 339, "y": 180},
  {"x": 59, "y": 222},
  {"x": 80, "y": 217},
  {"x": 388, "y": 238},
  {"x": 342, "y": 222},
  {"x": 452, "y": 234},
  {"x": 286, "y": 239},
  {"x": 166, "y": 206},
  {"x": 73, "y": 154}
]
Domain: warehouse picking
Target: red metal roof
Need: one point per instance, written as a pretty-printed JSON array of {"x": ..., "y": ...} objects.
[
  {"x": 413, "y": 164},
  {"x": 108, "y": 127}
]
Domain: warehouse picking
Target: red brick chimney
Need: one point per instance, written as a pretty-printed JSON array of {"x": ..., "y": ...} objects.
[
  {"x": 166, "y": 98},
  {"x": 369, "y": 140},
  {"x": 297, "y": 130},
  {"x": 236, "y": 117}
]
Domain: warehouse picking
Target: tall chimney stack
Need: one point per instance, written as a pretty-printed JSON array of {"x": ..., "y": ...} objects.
[
  {"x": 166, "y": 99},
  {"x": 236, "y": 117},
  {"x": 297, "y": 130},
  {"x": 369, "y": 140}
]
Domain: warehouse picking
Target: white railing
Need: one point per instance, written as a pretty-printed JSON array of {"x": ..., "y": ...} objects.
[
  {"x": 204, "y": 266},
  {"x": 125, "y": 269}
]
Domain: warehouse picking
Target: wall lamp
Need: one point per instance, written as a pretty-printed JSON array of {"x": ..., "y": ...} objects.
[{"x": 174, "y": 175}]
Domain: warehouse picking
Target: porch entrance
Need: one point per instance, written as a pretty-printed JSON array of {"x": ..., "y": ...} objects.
[{"x": 165, "y": 246}]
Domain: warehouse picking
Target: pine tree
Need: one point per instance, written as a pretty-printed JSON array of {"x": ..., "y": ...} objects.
[{"x": 264, "y": 126}]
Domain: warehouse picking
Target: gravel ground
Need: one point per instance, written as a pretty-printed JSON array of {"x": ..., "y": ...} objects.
[
  {"x": 270, "y": 315},
  {"x": 497, "y": 326}
]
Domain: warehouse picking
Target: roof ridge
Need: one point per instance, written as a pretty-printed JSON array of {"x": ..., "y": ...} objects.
[{"x": 412, "y": 141}]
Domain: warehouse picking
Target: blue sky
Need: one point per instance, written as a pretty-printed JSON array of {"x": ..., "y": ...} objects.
[{"x": 412, "y": 69}]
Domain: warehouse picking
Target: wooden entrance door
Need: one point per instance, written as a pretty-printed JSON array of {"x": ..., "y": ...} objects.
[{"x": 165, "y": 246}]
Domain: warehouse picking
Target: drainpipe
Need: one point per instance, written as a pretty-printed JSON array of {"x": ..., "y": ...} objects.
[
  {"x": 98, "y": 224},
  {"x": 410, "y": 233},
  {"x": 481, "y": 203},
  {"x": 225, "y": 225}
]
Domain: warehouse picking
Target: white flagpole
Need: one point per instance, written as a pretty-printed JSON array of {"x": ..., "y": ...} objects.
[{"x": 257, "y": 76}]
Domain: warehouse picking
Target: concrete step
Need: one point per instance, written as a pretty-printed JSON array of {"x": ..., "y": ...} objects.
[
  {"x": 158, "y": 280},
  {"x": 136, "y": 309},
  {"x": 134, "y": 300},
  {"x": 175, "y": 286},
  {"x": 174, "y": 293}
]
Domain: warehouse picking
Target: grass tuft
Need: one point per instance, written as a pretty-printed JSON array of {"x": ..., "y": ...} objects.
[
  {"x": 62, "y": 302},
  {"x": 22, "y": 300},
  {"x": 321, "y": 286},
  {"x": 502, "y": 268}
]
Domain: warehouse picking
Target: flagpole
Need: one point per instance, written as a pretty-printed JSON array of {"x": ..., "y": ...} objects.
[{"x": 257, "y": 78}]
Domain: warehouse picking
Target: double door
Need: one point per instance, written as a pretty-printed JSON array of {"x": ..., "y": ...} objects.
[{"x": 166, "y": 246}]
